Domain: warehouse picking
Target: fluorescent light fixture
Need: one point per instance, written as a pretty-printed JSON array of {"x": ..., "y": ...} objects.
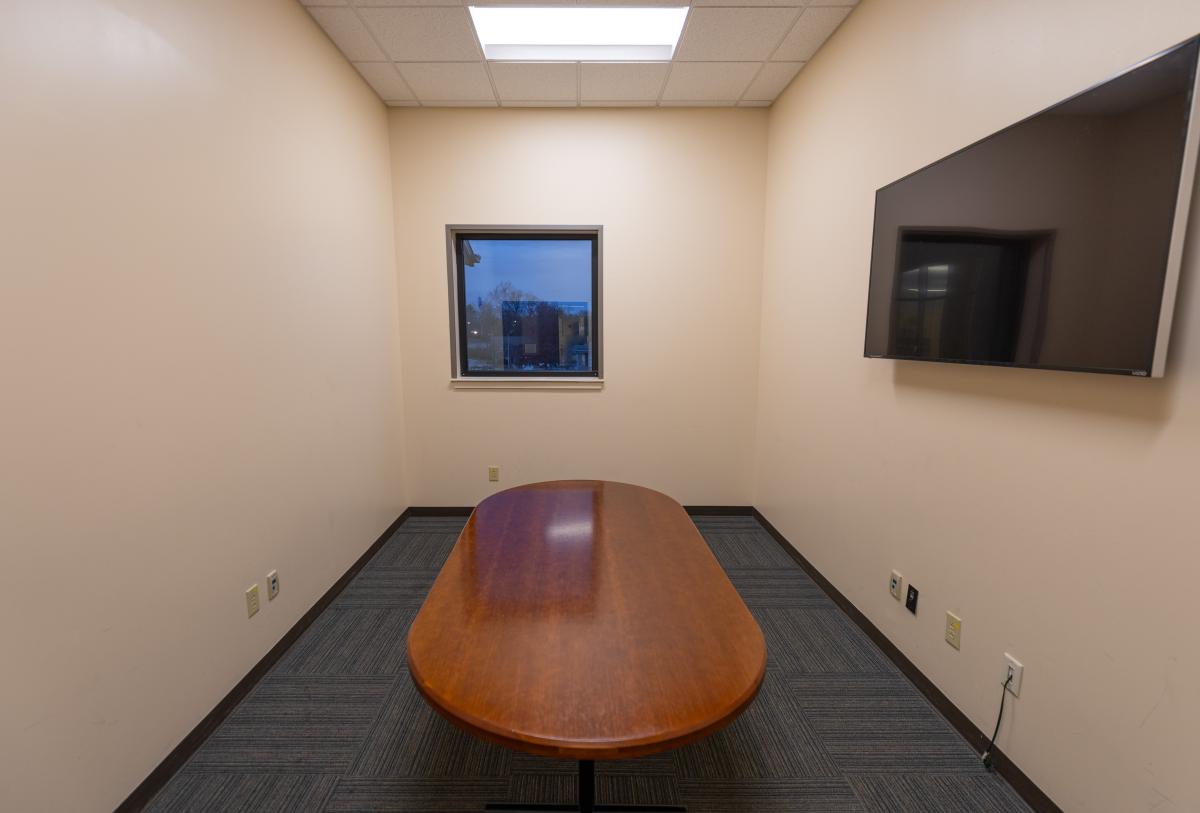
[{"x": 575, "y": 33}]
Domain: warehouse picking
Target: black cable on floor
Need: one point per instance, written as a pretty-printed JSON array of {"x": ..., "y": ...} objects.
[{"x": 987, "y": 753}]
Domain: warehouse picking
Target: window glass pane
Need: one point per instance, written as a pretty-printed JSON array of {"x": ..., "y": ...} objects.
[{"x": 527, "y": 305}]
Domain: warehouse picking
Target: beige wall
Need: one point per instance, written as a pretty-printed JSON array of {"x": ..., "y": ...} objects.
[
  {"x": 200, "y": 366},
  {"x": 680, "y": 195},
  {"x": 1052, "y": 511}
]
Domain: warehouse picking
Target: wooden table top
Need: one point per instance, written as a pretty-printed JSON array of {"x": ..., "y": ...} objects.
[{"x": 585, "y": 619}]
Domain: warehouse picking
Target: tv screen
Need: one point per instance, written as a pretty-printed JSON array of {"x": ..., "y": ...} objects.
[{"x": 1054, "y": 243}]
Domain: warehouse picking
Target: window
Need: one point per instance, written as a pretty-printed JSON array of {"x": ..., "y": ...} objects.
[{"x": 526, "y": 302}]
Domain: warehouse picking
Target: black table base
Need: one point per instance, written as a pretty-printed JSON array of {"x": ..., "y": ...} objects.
[{"x": 587, "y": 799}]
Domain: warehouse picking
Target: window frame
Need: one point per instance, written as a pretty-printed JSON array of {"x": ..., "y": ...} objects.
[{"x": 459, "y": 375}]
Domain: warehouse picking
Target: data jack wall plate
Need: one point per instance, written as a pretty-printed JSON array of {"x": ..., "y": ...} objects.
[
  {"x": 910, "y": 601},
  {"x": 1017, "y": 670}
]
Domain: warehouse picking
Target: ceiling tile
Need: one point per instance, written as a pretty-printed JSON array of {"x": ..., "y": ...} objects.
[
  {"x": 708, "y": 81},
  {"x": 537, "y": 103},
  {"x": 813, "y": 28},
  {"x": 385, "y": 79},
  {"x": 347, "y": 32},
  {"x": 771, "y": 81},
  {"x": 730, "y": 34},
  {"x": 616, "y": 103},
  {"x": 699, "y": 103},
  {"x": 423, "y": 34},
  {"x": 621, "y": 81},
  {"x": 536, "y": 81},
  {"x": 461, "y": 103},
  {"x": 448, "y": 81},
  {"x": 426, "y": 52}
]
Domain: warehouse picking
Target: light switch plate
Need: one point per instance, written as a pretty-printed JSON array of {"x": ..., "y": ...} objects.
[
  {"x": 953, "y": 630},
  {"x": 252, "y": 600}
]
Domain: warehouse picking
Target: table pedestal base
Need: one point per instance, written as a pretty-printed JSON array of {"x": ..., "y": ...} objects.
[{"x": 587, "y": 799}]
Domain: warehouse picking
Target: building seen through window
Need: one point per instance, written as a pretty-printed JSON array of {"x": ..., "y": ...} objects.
[{"x": 527, "y": 304}]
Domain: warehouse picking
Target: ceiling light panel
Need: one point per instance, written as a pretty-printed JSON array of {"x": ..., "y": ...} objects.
[{"x": 577, "y": 33}]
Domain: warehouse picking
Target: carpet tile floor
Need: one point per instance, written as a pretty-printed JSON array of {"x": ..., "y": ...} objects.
[{"x": 337, "y": 726}]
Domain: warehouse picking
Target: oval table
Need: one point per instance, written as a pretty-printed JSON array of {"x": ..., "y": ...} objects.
[{"x": 588, "y": 620}]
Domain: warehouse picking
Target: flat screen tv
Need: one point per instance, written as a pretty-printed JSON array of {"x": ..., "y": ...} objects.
[{"x": 1054, "y": 243}]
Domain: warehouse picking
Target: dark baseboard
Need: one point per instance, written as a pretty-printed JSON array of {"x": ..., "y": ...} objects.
[
  {"x": 1034, "y": 796},
  {"x": 436, "y": 511},
  {"x": 719, "y": 510},
  {"x": 694, "y": 510},
  {"x": 159, "y": 777}
]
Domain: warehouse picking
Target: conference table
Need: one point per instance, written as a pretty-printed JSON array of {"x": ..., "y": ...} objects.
[{"x": 587, "y": 620}]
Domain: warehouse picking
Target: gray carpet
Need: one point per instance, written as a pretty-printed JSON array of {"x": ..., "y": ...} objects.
[{"x": 337, "y": 725}]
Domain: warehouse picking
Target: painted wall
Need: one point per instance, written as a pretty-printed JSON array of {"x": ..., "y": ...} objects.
[
  {"x": 198, "y": 339},
  {"x": 1052, "y": 511},
  {"x": 680, "y": 195}
]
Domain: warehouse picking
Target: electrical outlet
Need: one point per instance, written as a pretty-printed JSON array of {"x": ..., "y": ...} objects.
[
  {"x": 1015, "y": 669},
  {"x": 953, "y": 630},
  {"x": 910, "y": 601},
  {"x": 895, "y": 584},
  {"x": 252, "y": 600},
  {"x": 493, "y": 474},
  {"x": 272, "y": 585}
]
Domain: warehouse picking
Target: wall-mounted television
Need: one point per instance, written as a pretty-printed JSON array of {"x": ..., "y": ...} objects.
[{"x": 1055, "y": 243}]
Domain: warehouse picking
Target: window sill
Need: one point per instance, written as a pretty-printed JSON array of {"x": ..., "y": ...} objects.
[{"x": 489, "y": 383}]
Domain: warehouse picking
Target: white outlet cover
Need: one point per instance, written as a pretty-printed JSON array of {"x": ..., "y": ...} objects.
[
  {"x": 272, "y": 585},
  {"x": 1018, "y": 672},
  {"x": 896, "y": 585}
]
